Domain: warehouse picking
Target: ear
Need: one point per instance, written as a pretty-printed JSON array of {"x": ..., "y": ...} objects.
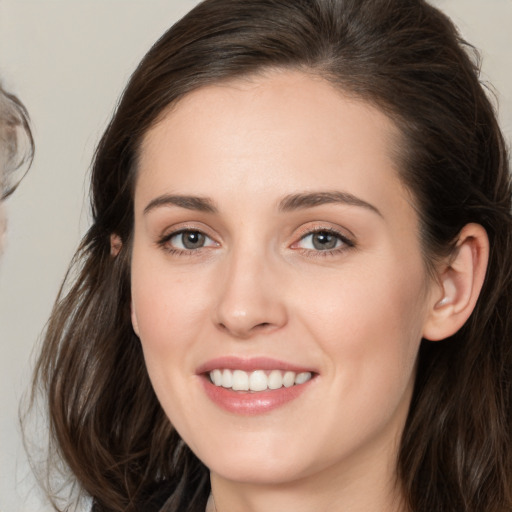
[
  {"x": 135, "y": 323},
  {"x": 460, "y": 283},
  {"x": 116, "y": 244}
]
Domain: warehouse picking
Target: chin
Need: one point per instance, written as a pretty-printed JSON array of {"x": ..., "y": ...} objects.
[
  {"x": 258, "y": 466},
  {"x": 257, "y": 472}
]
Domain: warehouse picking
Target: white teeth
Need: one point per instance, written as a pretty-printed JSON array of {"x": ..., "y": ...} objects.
[
  {"x": 289, "y": 379},
  {"x": 240, "y": 381},
  {"x": 275, "y": 380},
  {"x": 217, "y": 377},
  {"x": 302, "y": 377},
  {"x": 259, "y": 380},
  {"x": 227, "y": 379}
]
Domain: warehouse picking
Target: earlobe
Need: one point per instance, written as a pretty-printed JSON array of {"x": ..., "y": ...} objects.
[
  {"x": 116, "y": 245},
  {"x": 460, "y": 283},
  {"x": 133, "y": 316}
]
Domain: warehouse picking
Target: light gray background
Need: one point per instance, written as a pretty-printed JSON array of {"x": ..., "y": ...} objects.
[{"x": 68, "y": 60}]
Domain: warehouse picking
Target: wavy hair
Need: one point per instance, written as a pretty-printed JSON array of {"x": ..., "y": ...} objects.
[
  {"x": 16, "y": 143},
  {"x": 406, "y": 58}
]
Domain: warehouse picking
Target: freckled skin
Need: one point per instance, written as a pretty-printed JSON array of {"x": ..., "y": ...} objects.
[{"x": 259, "y": 288}]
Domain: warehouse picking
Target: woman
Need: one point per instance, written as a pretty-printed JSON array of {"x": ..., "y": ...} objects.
[
  {"x": 16, "y": 149},
  {"x": 296, "y": 291}
]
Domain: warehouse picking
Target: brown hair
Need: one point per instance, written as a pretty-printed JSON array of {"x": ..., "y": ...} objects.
[
  {"x": 403, "y": 56},
  {"x": 16, "y": 143}
]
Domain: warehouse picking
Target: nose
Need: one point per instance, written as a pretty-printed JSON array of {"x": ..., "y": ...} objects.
[{"x": 251, "y": 298}]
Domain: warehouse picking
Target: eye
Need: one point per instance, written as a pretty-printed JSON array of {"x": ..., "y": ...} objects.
[
  {"x": 188, "y": 240},
  {"x": 323, "y": 240}
]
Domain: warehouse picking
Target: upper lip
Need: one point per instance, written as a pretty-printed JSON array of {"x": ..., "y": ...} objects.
[{"x": 250, "y": 364}]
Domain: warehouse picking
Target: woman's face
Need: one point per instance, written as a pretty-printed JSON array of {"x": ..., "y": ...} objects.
[{"x": 275, "y": 247}]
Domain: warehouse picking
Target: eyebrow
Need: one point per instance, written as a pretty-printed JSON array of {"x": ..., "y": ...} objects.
[
  {"x": 310, "y": 200},
  {"x": 290, "y": 203},
  {"x": 202, "y": 204}
]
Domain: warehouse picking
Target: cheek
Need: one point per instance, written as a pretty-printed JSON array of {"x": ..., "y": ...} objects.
[
  {"x": 370, "y": 321},
  {"x": 371, "y": 333},
  {"x": 168, "y": 308}
]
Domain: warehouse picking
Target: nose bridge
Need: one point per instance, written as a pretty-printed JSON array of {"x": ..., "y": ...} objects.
[{"x": 249, "y": 299}]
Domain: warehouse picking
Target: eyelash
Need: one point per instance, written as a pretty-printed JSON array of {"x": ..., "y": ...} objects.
[
  {"x": 163, "y": 242},
  {"x": 346, "y": 243}
]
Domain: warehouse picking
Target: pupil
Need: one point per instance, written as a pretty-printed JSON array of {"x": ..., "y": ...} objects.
[
  {"x": 324, "y": 241},
  {"x": 193, "y": 239}
]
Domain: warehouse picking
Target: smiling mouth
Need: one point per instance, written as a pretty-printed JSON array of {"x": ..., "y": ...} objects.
[{"x": 258, "y": 380}]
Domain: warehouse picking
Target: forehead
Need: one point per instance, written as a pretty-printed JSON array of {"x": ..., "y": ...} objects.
[
  {"x": 284, "y": 129},
  {"x": 280, "y": 92}
]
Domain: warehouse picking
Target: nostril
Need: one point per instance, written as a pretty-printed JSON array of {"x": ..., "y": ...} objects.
[
  {"x": 263, "y": 327},
  {"x": 243, "y": 322},
  {"x": 244, "y": 331}
]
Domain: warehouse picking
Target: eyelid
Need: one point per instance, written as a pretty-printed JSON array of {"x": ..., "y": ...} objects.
[
  {"x": 173, "y": 229},
  {"x": 315, "y": 226}
]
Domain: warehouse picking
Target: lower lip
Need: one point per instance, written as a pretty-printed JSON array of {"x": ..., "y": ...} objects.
[{"x": 250, "y": 404}]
